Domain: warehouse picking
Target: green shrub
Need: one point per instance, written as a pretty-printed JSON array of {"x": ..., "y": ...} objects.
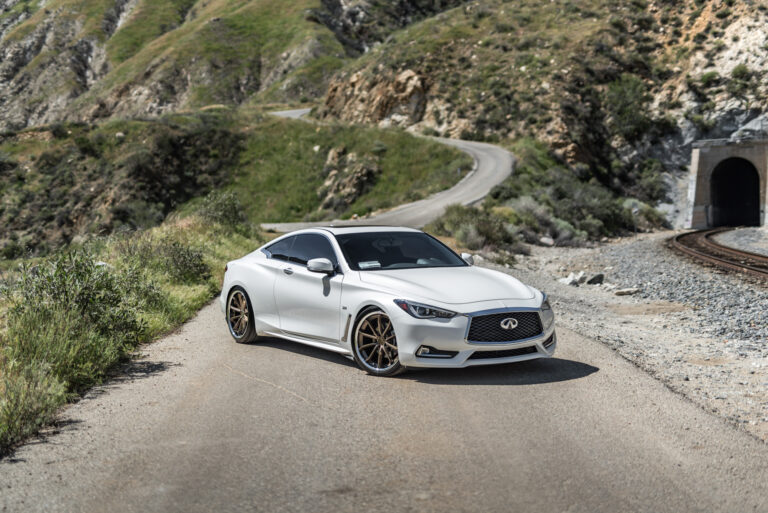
[
  {"x": 224, "y": 208},
  {"x": 710, "y": 79},
  {"x": 74, "y": 315},
  {"x": 474, "y": 228},
  {"x": 185, "y": 264},
  {"x": 741, "y": 72},
  {"x": 625, "y": 101},
  {"x": 29, "y": 397}
]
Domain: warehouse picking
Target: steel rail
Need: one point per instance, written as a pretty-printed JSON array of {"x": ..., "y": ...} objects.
[{"x": 702, "y": 247}]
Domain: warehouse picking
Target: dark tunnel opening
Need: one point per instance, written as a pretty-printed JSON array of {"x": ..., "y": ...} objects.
[{"x": 735, "y": 190}]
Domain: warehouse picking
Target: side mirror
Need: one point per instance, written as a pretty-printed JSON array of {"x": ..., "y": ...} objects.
[
  {"x": 468, "y": 258},
  {"x": 320, "y": 265}
]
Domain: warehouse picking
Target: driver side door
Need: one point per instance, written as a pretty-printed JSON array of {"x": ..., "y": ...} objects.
[{"x": 308, "y": 302}]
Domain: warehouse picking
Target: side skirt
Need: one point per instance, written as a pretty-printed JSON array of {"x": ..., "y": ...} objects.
[{"x": 328, "y": 345}]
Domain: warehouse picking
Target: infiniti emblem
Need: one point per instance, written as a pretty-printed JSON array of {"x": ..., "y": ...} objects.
[{"x": 509, "y": 323}]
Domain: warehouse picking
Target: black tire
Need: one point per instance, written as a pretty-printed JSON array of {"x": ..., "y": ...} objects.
[
  {"x": 240, "y": 323},
  {"x": 374, "y": 344}
]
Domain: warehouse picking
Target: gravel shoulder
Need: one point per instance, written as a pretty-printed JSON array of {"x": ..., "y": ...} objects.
[
  {"x": 746, "y": 239},
  {"x": 701, "y": 332}
]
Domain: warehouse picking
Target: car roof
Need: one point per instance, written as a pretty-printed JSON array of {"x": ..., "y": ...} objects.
[{"x": 339, "y": 230}]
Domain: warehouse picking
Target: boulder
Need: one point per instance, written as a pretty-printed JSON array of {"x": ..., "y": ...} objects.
[
  {"x": 596, "y": 279},
  {"x": 627, "y": 292}
]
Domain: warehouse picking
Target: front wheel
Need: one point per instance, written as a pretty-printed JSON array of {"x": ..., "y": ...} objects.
[
  {"x": 374, "y": 345},
  {"x": 240, "y": 316}
]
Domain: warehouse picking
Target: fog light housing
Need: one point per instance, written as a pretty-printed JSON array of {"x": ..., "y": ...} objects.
[{"x": 431, "y": 352}]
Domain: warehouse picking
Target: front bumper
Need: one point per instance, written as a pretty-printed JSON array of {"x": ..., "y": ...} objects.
[{"x": 449, "y": 336}]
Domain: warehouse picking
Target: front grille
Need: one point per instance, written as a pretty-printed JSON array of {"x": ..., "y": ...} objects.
[
  {"x": 487, "y": 328},
  {"x": 506, "y": 353}
]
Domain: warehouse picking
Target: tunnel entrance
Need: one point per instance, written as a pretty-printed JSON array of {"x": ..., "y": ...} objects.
[{"x": 735, "y": 190}]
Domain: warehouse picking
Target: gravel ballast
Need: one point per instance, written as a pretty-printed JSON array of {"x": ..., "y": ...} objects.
[
  {"x": 702, "y": 332},
  {"x": 746, "y": 239}
]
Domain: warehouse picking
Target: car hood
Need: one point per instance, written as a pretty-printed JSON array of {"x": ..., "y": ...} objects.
[{"x": 452, "y": 285}]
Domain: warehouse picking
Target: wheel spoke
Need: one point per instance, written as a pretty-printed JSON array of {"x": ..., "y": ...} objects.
[
  {"x": 373, "y": 352},
  {"x": 378, "y": 364},
  {"x": 367, "y": 335},
  {"x": 367, "y": 345},
  {"x": 233, "y": 309},
  {"x": 367, "y": 324}
]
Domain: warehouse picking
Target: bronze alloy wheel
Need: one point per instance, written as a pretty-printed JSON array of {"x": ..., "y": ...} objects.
[
  {"x": 239, "y": 316},
  {"x": 375, "y": 344}
]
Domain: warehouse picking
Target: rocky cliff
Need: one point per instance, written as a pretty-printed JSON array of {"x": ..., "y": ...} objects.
[{"x": 90, "y": 60}]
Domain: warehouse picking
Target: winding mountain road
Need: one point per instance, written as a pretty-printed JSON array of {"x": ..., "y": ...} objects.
[
  {"x": 200, "y": 424},
  {"x": 492, "y": 166}
]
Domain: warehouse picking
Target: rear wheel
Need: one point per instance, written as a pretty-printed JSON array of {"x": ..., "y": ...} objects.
[
  {"x": 240, "y": 316},
  {"x": 374, "y": 345}
]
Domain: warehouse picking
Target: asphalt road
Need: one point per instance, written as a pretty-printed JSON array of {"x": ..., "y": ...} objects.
[
  {"x": 492, "y": 166},
  {"x": 202, "y": 424}
]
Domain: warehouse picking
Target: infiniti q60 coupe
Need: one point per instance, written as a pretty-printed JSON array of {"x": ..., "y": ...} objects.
[{"x": 390, "y": 298}]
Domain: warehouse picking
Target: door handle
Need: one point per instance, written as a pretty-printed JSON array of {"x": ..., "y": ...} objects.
[{"x": 288, "y": 270}]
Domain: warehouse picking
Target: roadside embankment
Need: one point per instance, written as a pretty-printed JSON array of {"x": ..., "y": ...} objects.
[{"x": 701, "y": 332}]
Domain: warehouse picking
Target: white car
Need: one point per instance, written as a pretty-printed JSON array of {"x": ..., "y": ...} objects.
[{"x": 390, "y": 298}]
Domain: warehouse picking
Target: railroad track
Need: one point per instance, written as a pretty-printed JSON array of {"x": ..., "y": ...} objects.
[{"x": 701, "y": 246}]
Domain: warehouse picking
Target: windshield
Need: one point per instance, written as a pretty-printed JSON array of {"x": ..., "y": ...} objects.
[{"x": 376, "y": 251}]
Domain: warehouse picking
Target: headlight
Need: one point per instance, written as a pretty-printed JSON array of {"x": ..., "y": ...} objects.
[
  {"x": 547, "y": 314},
  {"x": 421, "y": 311}
]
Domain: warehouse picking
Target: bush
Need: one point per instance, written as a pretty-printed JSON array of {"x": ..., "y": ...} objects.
[
  {"x": 475, "y": 229},
  {"x": 75, "y": 316},
  {"x": 625, "y": 101},
  {"x": 224, "y": 208},
  {"x": 29, "y": 397},
  {"x": 710, "y": 79},
  {"x": 546, "y": 197},
  {"x": 184, "y": 263}
]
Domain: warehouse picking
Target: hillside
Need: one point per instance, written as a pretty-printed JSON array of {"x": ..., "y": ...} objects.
[
  {"x": 86, "y": 60},
  {"x": 617, "y": 90},
  {"x": 70, "y": 181},
  {"x": 607, "y": 95}
]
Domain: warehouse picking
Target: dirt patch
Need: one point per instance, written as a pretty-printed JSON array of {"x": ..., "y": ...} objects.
[
  {"x": 712, "y": 362},
  {"x": 649, "y": 308}
]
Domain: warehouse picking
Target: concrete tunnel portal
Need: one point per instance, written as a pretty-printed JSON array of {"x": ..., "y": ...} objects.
[
  {"x": 735, "y": 189},
  {"x": 728, "y": 183}
]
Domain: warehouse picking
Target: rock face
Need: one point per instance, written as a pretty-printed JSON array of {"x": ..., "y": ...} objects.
[
  {"x": 398, "y": 100},
  {"x": 59, "y": 60},
  {"x": 359, "y": 24},
  {"x": 347, "y": 178}
]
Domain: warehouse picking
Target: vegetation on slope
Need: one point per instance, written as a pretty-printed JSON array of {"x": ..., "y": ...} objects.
[
  {"x": 283, "y": 168},
  {"x": 65, "y": 182},
  {"x": 70, "y": 318},
  {"x": 95, "y": 59},
  {"x": 613, "y": 89},
  {"x": 543, "y": 198}
]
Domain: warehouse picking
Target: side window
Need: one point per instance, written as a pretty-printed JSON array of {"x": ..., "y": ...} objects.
[
  {"x": 312, "y": 245},
  {"x": 281, "y": 250}
]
